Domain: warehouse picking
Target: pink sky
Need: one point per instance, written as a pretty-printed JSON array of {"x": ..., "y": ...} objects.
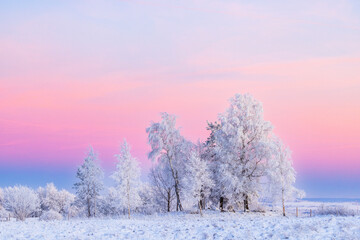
[{"x": 73, "y": 75}]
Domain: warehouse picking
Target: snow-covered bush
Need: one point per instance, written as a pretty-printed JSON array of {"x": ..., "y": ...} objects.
[
  {"x": 21, "y": 201},
  {"x": 259, "y": 208},
  {"x": 335, "y": 211},
  {"x": 51, "y": 215}
]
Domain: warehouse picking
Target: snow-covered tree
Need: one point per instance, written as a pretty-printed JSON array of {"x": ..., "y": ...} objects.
[
  {"x": 65, "y": 202},
  {"x": 163, "y": 186},
  {"x": 21, "y": 201},
  {"x": 127, "y": 179},
  {"x": 168, "y": 147},
  {"x": 242, "y": 147},
  {"x": 198, "y": 182},
  {"x": 281, "y": 175},
  {"x": 90, "y": 183},
  {"x": 210, "y": 156},
  {"x": 53, "y": 199}
]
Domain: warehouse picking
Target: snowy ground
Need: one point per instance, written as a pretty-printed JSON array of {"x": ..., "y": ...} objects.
[{"x": 213, "y": 225}]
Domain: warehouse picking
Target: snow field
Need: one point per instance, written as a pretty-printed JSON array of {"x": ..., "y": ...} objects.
[{"x": 213, "y": 225}]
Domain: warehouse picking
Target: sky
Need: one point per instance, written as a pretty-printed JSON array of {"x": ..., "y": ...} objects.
[{"x": 80, "y": 73}]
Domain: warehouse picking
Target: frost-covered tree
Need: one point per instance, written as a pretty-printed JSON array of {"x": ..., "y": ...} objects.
[
  {"x": 163, "y": 186},
  {"x": 242, "y": 147},
  {"x": 53, "y": 199},
  {"x": 65, "y": 202},
  {"x": 168, "y": 147},
  {"x": 127, "y": 179},
  {"x": 90, "y": 183},
  {"x": 50, "y": 200},
  {"x": 281, "y": 175},
  {"x": 197, "y": 181},
  {"x": 21, "y": 201},
  {"x": 41, "y": 194},
  {"x": 210, "y": 156}
]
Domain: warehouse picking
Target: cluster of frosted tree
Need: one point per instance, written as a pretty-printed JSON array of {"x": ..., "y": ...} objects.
[
  {"x": 125, "y": 195},
  {"x": 48, "y": 203},
  {"x": 241, "y": 162}
]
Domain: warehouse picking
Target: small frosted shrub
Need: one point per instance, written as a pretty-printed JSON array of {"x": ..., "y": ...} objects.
[
  {"x": 335, "y": 211},
  {"x": 51, "y": 215}
]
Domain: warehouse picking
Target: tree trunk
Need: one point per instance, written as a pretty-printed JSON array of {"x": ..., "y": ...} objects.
[
  {"x": 201, "y": 203},
  {"x": 168, "y": 200},
  {"x": 95, "y": 206},
  {"x": 88, "y": 207},
  {"x": 200, "y": 208},
  {"x": 221, "y": 204},
  {"x": 283, "y": 201},
  {"x": 128, "y": 197},
  {"x": 202, "y": 199},
  {"x": 246, "y": 203},
  {"x": 177, "y": 190},
  {"x": 129, "y": 210}
]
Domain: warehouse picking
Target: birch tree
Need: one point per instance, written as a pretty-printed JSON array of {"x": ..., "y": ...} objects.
[
  {"x": 168, "y": 147},
  {"x": 281, "y": 175}
]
